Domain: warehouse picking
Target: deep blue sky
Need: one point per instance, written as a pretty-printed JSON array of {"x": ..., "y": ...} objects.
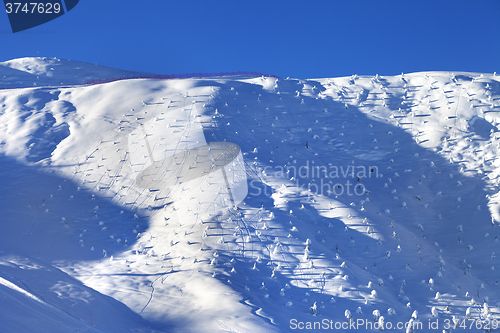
[{"x": 299, "y": 39}]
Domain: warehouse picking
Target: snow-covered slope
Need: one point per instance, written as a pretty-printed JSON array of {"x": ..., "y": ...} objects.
[{"x": 360, "y": 193}]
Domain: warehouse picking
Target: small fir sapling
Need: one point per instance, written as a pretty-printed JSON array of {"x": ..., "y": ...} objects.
[
  {"x": 486, "y": 310},
  {"x": 314, "y": 309},
  {"x": 376, "y": 315},
  {"x": 381, "y": 323},
  {"x": 348, "y": 314},
  {"x": 468, "y": 313},
  {"x": 411, "y": 325}
]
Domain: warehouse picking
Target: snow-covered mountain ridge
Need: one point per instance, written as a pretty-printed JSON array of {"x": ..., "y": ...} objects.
[
  {"x": 361, "y": 193},
  {"x": 33, "y": 72}
]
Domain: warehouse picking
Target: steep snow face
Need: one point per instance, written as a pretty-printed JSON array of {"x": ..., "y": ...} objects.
[{"x": 248, "y": 204}]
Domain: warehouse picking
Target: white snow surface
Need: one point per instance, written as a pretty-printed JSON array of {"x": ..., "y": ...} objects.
[{"x": 390, "y": 199}]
